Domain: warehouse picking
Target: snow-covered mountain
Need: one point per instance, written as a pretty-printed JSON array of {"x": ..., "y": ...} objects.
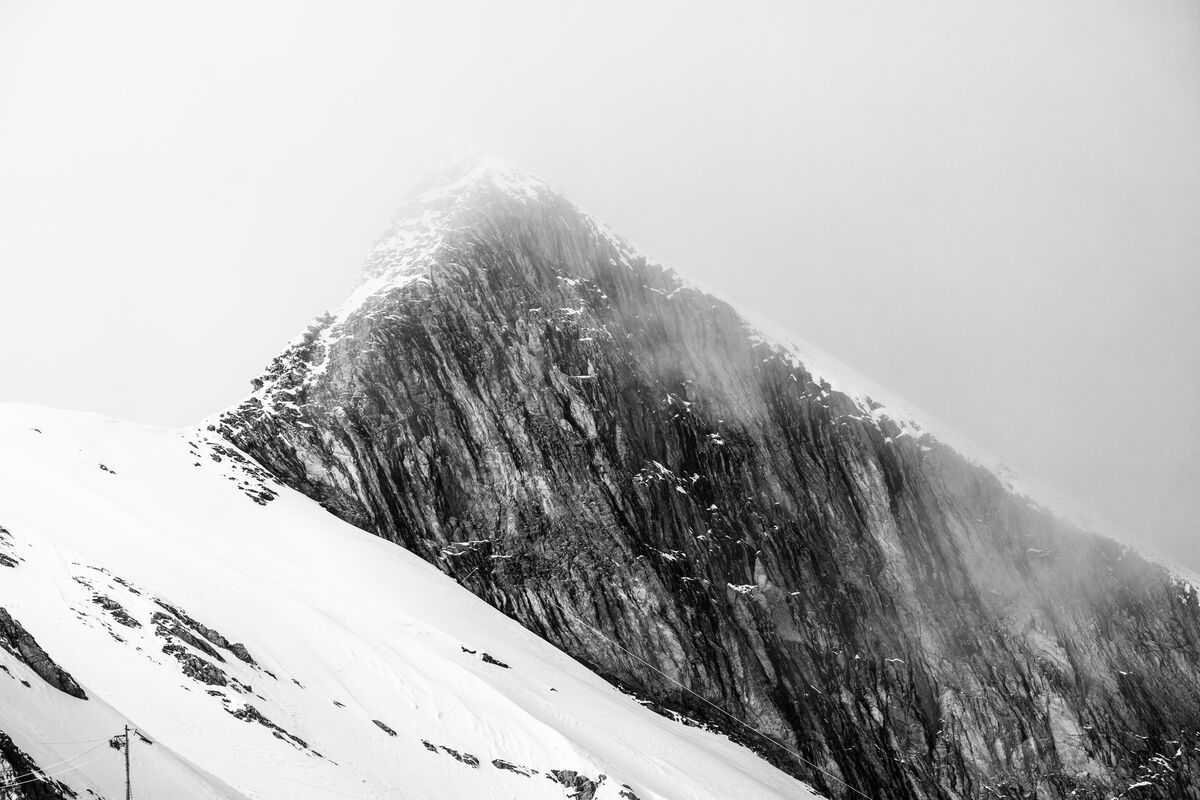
[
  {"x": 592, "y": 443},
  {"x": 559, "y": 443},
  {"x": 266, "y": 649}
]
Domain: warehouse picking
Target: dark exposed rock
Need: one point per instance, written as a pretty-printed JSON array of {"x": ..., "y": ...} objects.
[
  {"x": 384, "y": 728},
  {"x": 579, "y": 787},
  {"x": 487, "y": 659},
  {"x": 117, "y": 611},
  {"x": 466, "y": 758},
  {"x": 170, "y": 628},
  {"x": 195, "y": 667},
  {"x": 6, "y": 542},
  {"x": 249, "y": 713},
  {"x": 255, "y": 478},
  {"x": 242, "y": 654},
  {"x": 18, "y": 641},
  {"x": 126, "y": 584},
  {"x": 619, "y": 462},
  {"x": 183, "y": 625},
  {"x": 21, "y": 779},
  {"x": 500, "y": 763}
]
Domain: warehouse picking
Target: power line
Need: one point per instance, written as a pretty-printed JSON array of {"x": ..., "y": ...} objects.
[
  {"x": 294, "y": 780},
  {"x": 42, "y": 770},
  {"x": 419, "y": 618},
  {"x": 44, "y": 776}
]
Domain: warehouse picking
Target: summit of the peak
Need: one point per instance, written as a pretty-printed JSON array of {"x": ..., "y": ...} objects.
[
  {"x": 463, "y": 180},
  {"x": 462, "y": 169}
]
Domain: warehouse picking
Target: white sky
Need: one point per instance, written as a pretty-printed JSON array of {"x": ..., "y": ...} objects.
[{"x": 991, "y": 209}]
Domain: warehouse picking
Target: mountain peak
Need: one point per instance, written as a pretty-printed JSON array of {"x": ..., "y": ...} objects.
[
  {"x": 462, "y": 180},
  {"x": 467, "y": 168}
]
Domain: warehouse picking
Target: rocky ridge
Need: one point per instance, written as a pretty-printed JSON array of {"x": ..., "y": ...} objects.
[{"x": 625, "y": 465}]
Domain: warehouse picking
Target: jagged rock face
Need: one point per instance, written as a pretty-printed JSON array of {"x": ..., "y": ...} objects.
[
  {"x": 622, "y": 464},
  {"x": 18, "y": 641}
]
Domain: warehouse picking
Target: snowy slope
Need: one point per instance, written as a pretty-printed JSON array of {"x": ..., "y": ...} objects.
[{"x": 126, "y": 539}]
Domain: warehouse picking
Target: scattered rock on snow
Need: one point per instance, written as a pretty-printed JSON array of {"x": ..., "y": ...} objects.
[
  {"x": 117, "y": 611},
  {"x": 249, "y": 713}
]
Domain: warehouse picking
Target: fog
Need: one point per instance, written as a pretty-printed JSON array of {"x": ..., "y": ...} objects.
[{"x": 993, "y": 210}]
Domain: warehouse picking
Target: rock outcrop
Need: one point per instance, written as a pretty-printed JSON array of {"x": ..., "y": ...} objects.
[
  {"x": 625, "y": 465},
  {"x": 21, "y": 779},
  {"x": 20, "y": 643}
]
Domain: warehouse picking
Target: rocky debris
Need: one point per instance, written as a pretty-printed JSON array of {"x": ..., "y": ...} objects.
[
  {"x": 104, "y": 468},
  {"x": 20, "y": 643},
  {"x": 117, "y": 611},
  {"x": 192, "y": 631},
  {"x": 384, "y": 728},
  {"x": 195, "y": 667},
  {"x": 487, "y": 659},
  {"x": 630, "y": 448},
  {"x": 132, "y": 589},
  {"x": 179, "y": 629},
  {"x": 579, "y": 787},
  {"x": 500, "y": 763},
  {"x": 253, "y": 481},
  {"x": 241, "y": 653},
  {"x": 170, "y": 628},
  {"x": 7, "y": 560},
  {"x": 248, "y": 713},
  {"x": 21, "y": 779},
  {"x": 626, "y": 793},
  {"x": 465, "y": 758}
]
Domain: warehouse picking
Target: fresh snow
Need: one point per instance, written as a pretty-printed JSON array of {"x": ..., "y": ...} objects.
[{"x": 362, "y": 637}]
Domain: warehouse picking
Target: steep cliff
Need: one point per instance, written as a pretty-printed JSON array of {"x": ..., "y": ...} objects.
[{"x": 707, "y": 516}]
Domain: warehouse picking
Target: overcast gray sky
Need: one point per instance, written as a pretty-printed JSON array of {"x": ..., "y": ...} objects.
[{"x": 991, "y": 209}]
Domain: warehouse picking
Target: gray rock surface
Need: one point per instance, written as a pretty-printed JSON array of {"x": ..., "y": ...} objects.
[
  {"x": 22, "y": 779},
  {"x": 617, "y": 461},
  {"x": 20, "y": 643}
]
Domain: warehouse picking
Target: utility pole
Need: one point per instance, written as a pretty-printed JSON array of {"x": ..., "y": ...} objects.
[
  {"x": 128, "y": 785},
  {"x": 121, "y": 740}
]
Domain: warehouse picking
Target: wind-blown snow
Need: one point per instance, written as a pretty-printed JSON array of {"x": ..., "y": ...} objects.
[
  {"x": 875, "y": 402},
  {"x": 346, "y": 629},
  {"x": 408, "y": 252}
]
